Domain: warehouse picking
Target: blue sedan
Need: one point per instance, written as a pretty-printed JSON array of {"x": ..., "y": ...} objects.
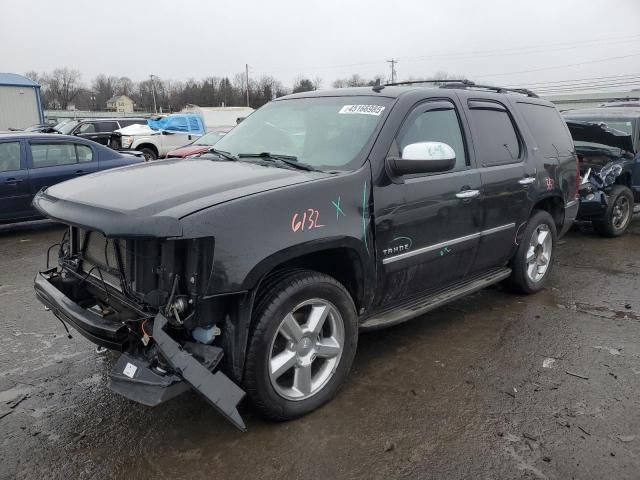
[{"x": 31, "y": 161}]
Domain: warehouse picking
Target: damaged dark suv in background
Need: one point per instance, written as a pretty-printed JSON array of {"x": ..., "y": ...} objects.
[
  {"x": 607, "y": 141},
  {"x": 253, "y": 267}
]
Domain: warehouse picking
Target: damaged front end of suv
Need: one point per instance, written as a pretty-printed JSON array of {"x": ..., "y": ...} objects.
[
  {"x": 147, "y": 297},
  {"x": 606, "y": 160}
]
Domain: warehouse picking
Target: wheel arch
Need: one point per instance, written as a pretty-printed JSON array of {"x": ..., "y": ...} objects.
[
  {"x": 149, "y": 145},
  {"x": 329, "y": 256},
  {"x": 342, "y": 258},
  {"x": 554, "y": 205}
]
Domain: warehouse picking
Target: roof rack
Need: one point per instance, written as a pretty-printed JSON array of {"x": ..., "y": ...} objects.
[{"x": 464, "y": 83}]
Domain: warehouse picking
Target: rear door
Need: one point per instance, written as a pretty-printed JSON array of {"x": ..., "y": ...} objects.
[
  {"x": 427, "y": 227},
  {"x": 53, "y": 162},
  {"x": 507, "y": 175},
  {"x": 15, "y": 196}
]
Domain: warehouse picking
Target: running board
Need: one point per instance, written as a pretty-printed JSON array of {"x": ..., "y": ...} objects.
[
  {"x": 216, "y": 387},
  {"x": 422, "y": 305}
]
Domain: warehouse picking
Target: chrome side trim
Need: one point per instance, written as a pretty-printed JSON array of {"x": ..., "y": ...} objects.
[
  {"x": 501, "y": 228},
  {"x": 448, "y": 243}
]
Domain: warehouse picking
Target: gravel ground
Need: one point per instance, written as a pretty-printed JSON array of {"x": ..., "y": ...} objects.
[{"x": 494, "y": 386}]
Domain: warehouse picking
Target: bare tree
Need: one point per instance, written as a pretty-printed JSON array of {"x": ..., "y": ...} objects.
[
  {"x": 302, "y": 84},
  {"x": 104, "y": 88},
  {"x": 125, "y": 86},
  {"x": 64, "y": 85}
]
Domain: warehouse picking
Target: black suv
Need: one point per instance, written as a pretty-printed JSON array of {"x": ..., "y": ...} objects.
[
  {"x": 607, "y": 141},
  {"x": 322, "y": 214},
  {"x": 97, "y": 129}
]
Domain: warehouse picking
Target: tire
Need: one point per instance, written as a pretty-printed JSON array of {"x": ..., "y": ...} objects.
[
  {"x": 529, "y": 259},
  {"x": 617, "y": 216},
  {"x": 273, "y": 391},
  {"x": 149, "y": 154}
]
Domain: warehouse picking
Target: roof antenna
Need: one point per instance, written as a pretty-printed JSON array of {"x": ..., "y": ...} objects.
[{"x": 377, "y": 87}]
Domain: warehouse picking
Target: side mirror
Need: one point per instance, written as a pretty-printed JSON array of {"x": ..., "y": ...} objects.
[{"x": 423, "y": 157}]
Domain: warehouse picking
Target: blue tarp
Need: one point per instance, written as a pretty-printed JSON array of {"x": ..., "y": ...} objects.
[{"x": 179, "y": 122}]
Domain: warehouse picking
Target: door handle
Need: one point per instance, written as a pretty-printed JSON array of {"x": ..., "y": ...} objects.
[
  {"x": 526, "y": 180},
  {"x": 80, "y": 172},
  {"x": 467, "y": 194},
  {"x": 13, "y": 181}
]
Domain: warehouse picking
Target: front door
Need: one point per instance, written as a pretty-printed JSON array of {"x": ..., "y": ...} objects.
[
  {"x": 15, "y": 197},
  {"x": 428, "y": 226}
]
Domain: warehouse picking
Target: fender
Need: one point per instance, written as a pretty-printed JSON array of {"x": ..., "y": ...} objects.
[{"x": 365, "y": 265}]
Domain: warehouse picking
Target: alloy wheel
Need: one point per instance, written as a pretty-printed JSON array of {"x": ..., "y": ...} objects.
[
  {"x": 306, "y": 349},
  {"x": 539, "y": 253},
  {"x": 621, "y": 212}
]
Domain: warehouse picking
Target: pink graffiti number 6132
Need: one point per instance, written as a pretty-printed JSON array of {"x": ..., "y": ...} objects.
[{"x": 305, "y": 221}]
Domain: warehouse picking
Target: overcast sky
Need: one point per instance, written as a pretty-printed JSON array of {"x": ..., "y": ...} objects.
[{"x": 486, "y": 41}]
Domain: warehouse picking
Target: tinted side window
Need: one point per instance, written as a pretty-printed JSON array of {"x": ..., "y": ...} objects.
[
  {"x": 496, "y": 140},
  {"x": 86, "y": 128},
  {"x": 52, "y": 154},
  {"x": 106, "y": 127},
  {"x": 9, "y": 156},
  {"x": 547, "y": 128},
  {"x": 126, "y": 123},
  {"x": 435, "y": 126}
]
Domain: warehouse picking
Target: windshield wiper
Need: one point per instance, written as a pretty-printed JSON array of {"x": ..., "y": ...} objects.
[
  {"x": 288, "y": 159},
  {"x": 223, "y": 154}
]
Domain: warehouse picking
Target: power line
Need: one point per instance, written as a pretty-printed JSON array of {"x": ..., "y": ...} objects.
[
  {"x": 608, "y": 77},
  {"x": 559, "y": 66},
  {"x": 513, "y": 50},
  {"x": 590, "y": 87}
]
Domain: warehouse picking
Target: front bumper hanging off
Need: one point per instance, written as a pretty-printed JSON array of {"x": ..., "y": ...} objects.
[{"x": 193, "y": 364}]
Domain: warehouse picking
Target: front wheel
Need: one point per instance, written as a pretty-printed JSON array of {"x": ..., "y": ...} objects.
[
  {"x": 617, "y": 215},
  {"x": 149, "y": 154},
  {"x": 302, "y": 345},
  {"x": 533, "y": 260}
]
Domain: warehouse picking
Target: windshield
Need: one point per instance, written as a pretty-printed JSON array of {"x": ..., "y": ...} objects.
[
  {"x": 601, "y": 133},
  {"x": 66, "y": 126},
  {"x": 209, "y": 139},
  {"x": 323, "y": 132}
]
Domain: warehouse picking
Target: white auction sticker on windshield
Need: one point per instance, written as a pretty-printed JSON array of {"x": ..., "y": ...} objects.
[{"x": 363, "y": 109}]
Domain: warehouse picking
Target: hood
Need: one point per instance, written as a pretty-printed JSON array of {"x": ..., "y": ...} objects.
[
  {"x": 188, "y": 150},
  {"x": 149, "y": 199},
  {"x": 597, "y": 133},
  {"x": 137, "y": 129}
]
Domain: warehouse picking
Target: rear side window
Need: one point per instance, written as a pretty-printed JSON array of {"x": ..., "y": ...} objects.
[
  {"x": 9, "y": 156},
  {"x": 126, "y": 123},
  {"x": 84, "y": 153},
  {"x": 106, "y": 127},
  {"x": 547, "y": 128},
  {"x": 496, "y": 141},
  {"x": 58, "y": 153}
]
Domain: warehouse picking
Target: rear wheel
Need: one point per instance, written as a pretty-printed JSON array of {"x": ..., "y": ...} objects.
[
  {"x": 302, "y": 345},
  {"x": 617, "y": 215},
  {"x": 533, "y": 261}
]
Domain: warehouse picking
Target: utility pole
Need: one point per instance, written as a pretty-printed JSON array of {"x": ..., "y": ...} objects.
[
  {"x": 153, "y": 92},
  {"x": 247, "y": 78},
  {"x": 393, "y": 62}
]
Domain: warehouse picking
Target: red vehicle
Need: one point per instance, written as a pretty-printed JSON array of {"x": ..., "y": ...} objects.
[{"x": 201, "y": 145}]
